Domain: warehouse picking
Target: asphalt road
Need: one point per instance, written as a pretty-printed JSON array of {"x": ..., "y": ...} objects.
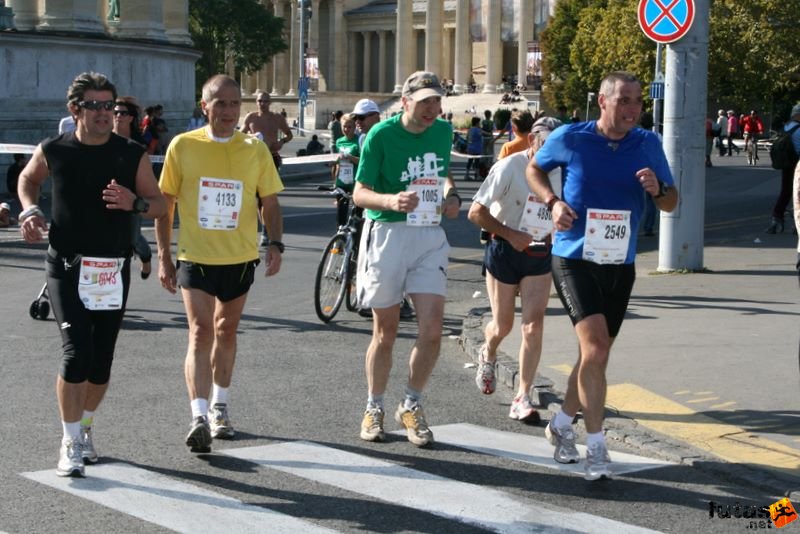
[{"x": 296, "y": 380}]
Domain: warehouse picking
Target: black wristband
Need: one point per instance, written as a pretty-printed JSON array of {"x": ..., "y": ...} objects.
[
  {"x": 550, "y": 203},
  {"x": 662, "y": 189},
  {"x": 279, "y": 244},
  {"x": 452, "y": 194}
]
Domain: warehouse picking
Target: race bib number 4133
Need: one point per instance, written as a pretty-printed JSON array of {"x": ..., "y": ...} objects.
[{"x": 219, "y": 203}]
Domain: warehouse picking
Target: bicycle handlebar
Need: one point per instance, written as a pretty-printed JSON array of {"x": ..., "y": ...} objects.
[{"x": 331, "y": 190}]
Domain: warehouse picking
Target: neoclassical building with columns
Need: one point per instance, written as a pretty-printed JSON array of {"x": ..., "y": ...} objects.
[
  {"x": 146, "y": 51},
  {"x": 371, "y": 46}
]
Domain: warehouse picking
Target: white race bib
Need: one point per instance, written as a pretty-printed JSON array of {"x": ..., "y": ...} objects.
[
  {"x": 219, "y": 204},
  {"x": 430, "y": 191},
  {"x": 100, "y": 283},
  {"x": 346, "y": 173},
  {"x": 608, "y": 233},
  {"x": 536, "y": 219}
]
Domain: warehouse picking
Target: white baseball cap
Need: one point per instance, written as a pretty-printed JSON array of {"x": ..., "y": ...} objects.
[{"x": 364, "y": 106}]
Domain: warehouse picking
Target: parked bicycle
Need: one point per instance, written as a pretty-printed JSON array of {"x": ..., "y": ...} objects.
[{"x": 335, "y": 282}]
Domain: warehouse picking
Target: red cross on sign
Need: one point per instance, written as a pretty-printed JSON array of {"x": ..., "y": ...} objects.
[{"x": 666, "y": 21}]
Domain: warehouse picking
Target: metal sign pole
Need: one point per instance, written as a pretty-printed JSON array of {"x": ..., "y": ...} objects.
[
  {"x": 301, "y": 81},
  {"x": 659, "y": 79}
]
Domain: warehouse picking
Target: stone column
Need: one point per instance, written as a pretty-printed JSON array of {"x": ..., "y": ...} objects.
[
  {"x": 434, "y": 22},
  {"x": 294, "y": 48},
  {"x": 494, "y": 49},
  {"x": 447, "y": 53},
  {"x": 383, "y": 71},
  {"x": 340, "y": 42},
  {"x": 313, "y": 26},
  {"x": 142, "y": 19},
  {"x": 26, "y": 13},
  {"x": 176, "y": 21},
  {"x": 367, "y": 73},
  {"x": 279, "y": 60},
  {"x": 70, "y": 16},
  {"x": 526, "y": 22},
  {"x": 404, "y": 43},
  {"x": 463, "y": 51},
  {"x": 351, "y": 46}
]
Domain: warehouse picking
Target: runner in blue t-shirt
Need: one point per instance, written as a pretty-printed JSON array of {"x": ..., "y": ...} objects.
[{"x": 606, "y": 165}]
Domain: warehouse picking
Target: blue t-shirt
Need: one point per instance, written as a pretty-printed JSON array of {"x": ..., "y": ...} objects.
[
  {"x": 474, "y": 140},
  {"x": 598, "y": 173}
]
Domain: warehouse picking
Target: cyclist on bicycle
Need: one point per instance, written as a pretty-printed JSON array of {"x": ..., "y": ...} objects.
[
  {"x": 752, "y": 127},
  {"x": 344, "y": 170}
]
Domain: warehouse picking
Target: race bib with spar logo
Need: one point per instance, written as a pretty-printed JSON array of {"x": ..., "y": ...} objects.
[
  {"x": 100, "y": 283},
  {"x": 219, "y": 203},
  {"x": 608, "y": 233}
]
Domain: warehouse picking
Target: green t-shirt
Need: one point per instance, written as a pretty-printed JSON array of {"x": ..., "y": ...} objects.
[
  {"x": 349, "y": 147},
  {"x": 392, "y": 157}
]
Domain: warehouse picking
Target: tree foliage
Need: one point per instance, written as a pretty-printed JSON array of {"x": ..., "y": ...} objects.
[
  {"x": 241, "y": 31},
  {"x": 754, "y": 51}
]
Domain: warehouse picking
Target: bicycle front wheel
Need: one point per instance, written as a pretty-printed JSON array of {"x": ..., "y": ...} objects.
[{"x": 331, "y": 281}]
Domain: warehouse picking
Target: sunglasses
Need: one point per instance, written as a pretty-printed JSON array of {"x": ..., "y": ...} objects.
[
  {"x": 362, "y": 117},
  {"x": 121, "y": 113},
  {"x": 97, "y": 105}
]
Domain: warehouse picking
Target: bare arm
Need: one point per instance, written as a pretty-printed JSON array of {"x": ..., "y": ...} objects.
[
  {"x": 403, "y": 202},
  {"x": 167, "y": 274},
  {"x": 119, "y": 197},
  {"x": 273, "y": 220},
  {"x": 539, "y": 183},
  {"x": 248, "y": 122},
  {"x": 287, "y": 132},
  {"x": 30, "y": 183},
  {"x": 482, "y": 217}
]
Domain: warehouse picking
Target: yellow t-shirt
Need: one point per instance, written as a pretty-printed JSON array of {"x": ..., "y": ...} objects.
[{"x": 245, "y": 165}]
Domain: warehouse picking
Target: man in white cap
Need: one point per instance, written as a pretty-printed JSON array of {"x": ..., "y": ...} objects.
[
  {"x": 6, "y": 219},
  {"x": 517, "y": 260},
  {"x": 404, "y": 184},
  {"x": 367, "y": 114}
]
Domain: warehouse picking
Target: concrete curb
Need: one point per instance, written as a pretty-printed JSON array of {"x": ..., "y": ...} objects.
[{"x": 620, "y": 428}]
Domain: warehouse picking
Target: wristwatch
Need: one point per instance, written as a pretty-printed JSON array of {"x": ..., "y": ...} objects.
[
  {"x": 278, "y": 244},
  {"x": 662, "y": 189},
  {"x": 140, "y": 205}
]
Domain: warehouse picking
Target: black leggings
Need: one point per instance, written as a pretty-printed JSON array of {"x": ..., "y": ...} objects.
[{"x": 88, "y": 337}]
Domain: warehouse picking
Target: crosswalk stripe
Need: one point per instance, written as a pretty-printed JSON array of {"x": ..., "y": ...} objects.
[
  {"x": 530, "y": 449},
  {"x": 497, "y": 511},
  {"x": 169, "y": 503}
]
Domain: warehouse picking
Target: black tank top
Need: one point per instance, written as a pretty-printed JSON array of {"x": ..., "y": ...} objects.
[{"x": 81, "y": 223}]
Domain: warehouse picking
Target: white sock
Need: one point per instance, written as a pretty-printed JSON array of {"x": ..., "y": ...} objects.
[
  {"x": 561, "y": 419},
  {"x": 199, "y": 407},
  {"x": 87, "y": 419},
  {"x": 595, "y": 437},
  {"x": 72, "y": 431},
  {"x": 219, "y": 395}
]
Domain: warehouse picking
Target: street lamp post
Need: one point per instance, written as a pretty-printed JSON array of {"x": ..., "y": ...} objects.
[{"x": 589, "y": 97}]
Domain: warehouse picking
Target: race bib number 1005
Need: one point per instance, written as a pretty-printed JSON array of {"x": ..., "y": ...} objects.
[{"x": 430, "y": 191}]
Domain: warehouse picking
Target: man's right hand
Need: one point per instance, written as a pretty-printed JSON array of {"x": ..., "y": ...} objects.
[
  {"x": 167, "y": 275},
  {"x": 33, "y": 228},
  {"x": 405, "y": 201}
]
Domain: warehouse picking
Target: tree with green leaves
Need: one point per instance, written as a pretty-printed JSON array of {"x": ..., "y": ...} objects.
[
  {"x": 242, "y": 31},
  {"x": 754, "y": 51}
]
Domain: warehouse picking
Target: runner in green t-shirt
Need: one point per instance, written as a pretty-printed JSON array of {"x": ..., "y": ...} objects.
[{"x": 403, "y": 181}]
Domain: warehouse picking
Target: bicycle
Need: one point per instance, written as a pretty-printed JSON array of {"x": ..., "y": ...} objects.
[
  {"x": 751, "y": 147},
  {"x": 335, "y": 280}
]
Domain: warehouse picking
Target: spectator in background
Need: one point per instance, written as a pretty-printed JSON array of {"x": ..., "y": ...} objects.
[
  {"x": 335, "y": 128},
  {"x": 67, "y": 124},
  {"x": 709, "y": 140},
  {"x": 733, "y": 132},
  {"x": 778, "y": 210},
  {"x": 6, "y": 219},
  {"x": 562, "y": 115},
  {"x": 722, "y": 128},
  {"x": 314, "y": 147},
  {"x": 12, "y": 174},
  {"x": 197, "y": 120},
  {"x": 521, "y": 124}
]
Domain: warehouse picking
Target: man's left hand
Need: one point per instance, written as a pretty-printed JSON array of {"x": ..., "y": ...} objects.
[
  {"x": 647, "y": 177},
  {"x": 118, "y": 197},
  {"x": 273, "y": 259}
]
